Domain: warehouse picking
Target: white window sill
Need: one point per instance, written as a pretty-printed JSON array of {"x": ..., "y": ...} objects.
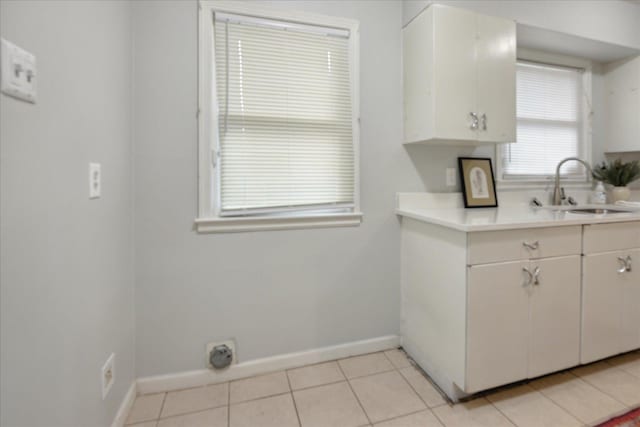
[{"x": 240, "y": 224}]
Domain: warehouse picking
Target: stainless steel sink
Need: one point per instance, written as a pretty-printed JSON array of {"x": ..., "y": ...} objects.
[{"x": 597, "y": 211}]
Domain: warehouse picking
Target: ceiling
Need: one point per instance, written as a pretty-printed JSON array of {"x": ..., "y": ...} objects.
[{"x": 636, "y": 2}]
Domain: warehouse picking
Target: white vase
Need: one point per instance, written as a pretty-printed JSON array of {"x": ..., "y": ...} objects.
[{"x": 620, "y": 193}]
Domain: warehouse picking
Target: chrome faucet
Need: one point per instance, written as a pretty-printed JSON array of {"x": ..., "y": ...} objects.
[{"x": 558, "y": 193}]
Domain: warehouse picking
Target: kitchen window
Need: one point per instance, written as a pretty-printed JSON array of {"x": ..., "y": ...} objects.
[
  {"x": 553, "y": 111},
  {"x": 279, "y": 124}
]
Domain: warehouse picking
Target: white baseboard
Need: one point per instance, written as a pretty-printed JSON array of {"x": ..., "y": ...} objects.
[
  {"x": 125, "y": 406},
  {"x": 180, "y": 380}
]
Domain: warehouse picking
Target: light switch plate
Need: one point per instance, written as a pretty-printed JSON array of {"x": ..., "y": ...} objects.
[
  {"x": 17, "y": 72},
  {"x": 95, "y": 180}
]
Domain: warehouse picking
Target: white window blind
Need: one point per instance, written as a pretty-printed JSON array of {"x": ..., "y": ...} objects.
[
  {"x": 285, "y": 116},
  {"x": 549, "y": 122}
]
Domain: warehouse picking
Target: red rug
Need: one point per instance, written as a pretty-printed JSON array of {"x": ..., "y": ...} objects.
[{"x": 630, "y": 419}]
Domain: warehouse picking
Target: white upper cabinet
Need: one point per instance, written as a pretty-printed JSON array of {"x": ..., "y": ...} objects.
[
  {"x": 622, "y": 80},
  {"x": 459, "y": 78}
]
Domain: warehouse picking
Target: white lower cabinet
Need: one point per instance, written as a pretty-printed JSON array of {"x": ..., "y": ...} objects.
[
  {"x": 611, "y": 304},
  {"x": 483, "y": 309},
  {"x": 523, "y": 320}
]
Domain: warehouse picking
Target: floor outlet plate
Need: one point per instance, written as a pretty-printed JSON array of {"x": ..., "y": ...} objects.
[{"x": 229, "y": 343}]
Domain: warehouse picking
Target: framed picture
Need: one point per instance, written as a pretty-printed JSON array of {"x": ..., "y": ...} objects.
[{"x": 478, "y": 183}]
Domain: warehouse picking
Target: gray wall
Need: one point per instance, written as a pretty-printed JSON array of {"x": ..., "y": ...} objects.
[
  {"x": 274, "y": 292},
  {"x": 284, "y": 291},
  {"x": 66, "y": 281}
]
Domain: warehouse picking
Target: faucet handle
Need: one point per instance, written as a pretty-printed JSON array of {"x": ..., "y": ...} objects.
[{"x": 563, "y": 196}]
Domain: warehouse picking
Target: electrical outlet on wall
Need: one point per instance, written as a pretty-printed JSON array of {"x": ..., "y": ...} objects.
[
  {"x": 95, "y": 180},
  {"x": 108, "y": 375}
]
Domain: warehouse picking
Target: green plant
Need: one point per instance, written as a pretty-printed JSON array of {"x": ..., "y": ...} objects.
[{"x": 617, "y": 173}]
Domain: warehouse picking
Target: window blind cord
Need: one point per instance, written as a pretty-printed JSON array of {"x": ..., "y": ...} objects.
[{"x": 226, "y": 78}]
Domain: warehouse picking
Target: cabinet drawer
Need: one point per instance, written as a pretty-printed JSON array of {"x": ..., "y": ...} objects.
[
  {"x": 611, "y": 237},
  {"x": 510, "y": 245}
]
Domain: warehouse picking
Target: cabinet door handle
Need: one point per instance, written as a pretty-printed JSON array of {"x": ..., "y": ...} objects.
[
  {"x": 625, "y": 264},
  {"x": 536, "y": 276},
  {"x": 531, "y": 246},
  {"x": 529, "y": 276},
  {"x": 474, "y": 121},
  {"x": 484, "y": 121}
]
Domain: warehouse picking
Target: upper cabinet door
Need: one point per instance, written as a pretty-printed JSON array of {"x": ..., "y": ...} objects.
[
  {"x": 622, "y": 80},
  {"x": 454, "y": 73},
  {"x": 459, "y": 71},
  {"x": 496, "y": 70}
]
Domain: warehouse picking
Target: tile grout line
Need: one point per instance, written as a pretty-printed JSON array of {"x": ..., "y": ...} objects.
[
  {"x": 354, "y": 393},
  {"x": 567, "y": 409},
  {"x": 208, "y": 408},
  {"x": 414, "y": 390},
  {"x": 608, "y": 362},
  {"x": 545, "y": 398},
  {"x": 184, "y": 414},
  {"x": 599, "y": 389},
  {"x": 557, "y": 404},
  {"x": 320, "y": 385},
  {"x": 295, "y": 406},
  {"x": 423, "y": 374},
  {"x": 513, "y": 423},
  {"x": 412, "y": 413},
  {"x": 164, "y": 399},
  {"x": 228, "y": 403},
  {"x": 426, "y": 377},
  {"x": 368, "y": 375}
]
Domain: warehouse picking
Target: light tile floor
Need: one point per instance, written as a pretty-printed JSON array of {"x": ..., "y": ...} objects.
[{"x": 385, "y": 389}]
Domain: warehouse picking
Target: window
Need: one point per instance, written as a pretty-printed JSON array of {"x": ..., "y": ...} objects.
[
  {"x": 550, "y": 123},
  {"x": 280, "y": 125}
]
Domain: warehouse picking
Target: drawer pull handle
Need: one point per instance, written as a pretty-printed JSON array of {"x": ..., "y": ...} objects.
[
  {"x": 532, "y": 277},
  {"x": 531, "y": 246},
  {"x": 625, "y": 264}
]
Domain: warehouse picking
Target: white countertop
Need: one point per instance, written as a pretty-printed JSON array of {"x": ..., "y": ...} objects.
[{"x": 445, "y": 211}]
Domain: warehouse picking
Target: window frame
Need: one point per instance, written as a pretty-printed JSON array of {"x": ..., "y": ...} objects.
[
  {"x": 208, "y": 216},
  {"x": 585, "y": 149}
]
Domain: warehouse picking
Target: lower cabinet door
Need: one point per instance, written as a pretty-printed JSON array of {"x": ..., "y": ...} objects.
[
  {"x": 610, "y": 304},
  {"x": 555, "y": 315},
  {"x": 630, "y": 304},
  {"x": 497, "y": 325}
]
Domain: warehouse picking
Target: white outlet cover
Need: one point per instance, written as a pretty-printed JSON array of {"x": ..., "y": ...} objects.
[
  {"x": 95, "y": 180},
  {"x": 230, "y": 343},
  {"x": 106, "y": 379},
  {"x": 17, "y": 72}
]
